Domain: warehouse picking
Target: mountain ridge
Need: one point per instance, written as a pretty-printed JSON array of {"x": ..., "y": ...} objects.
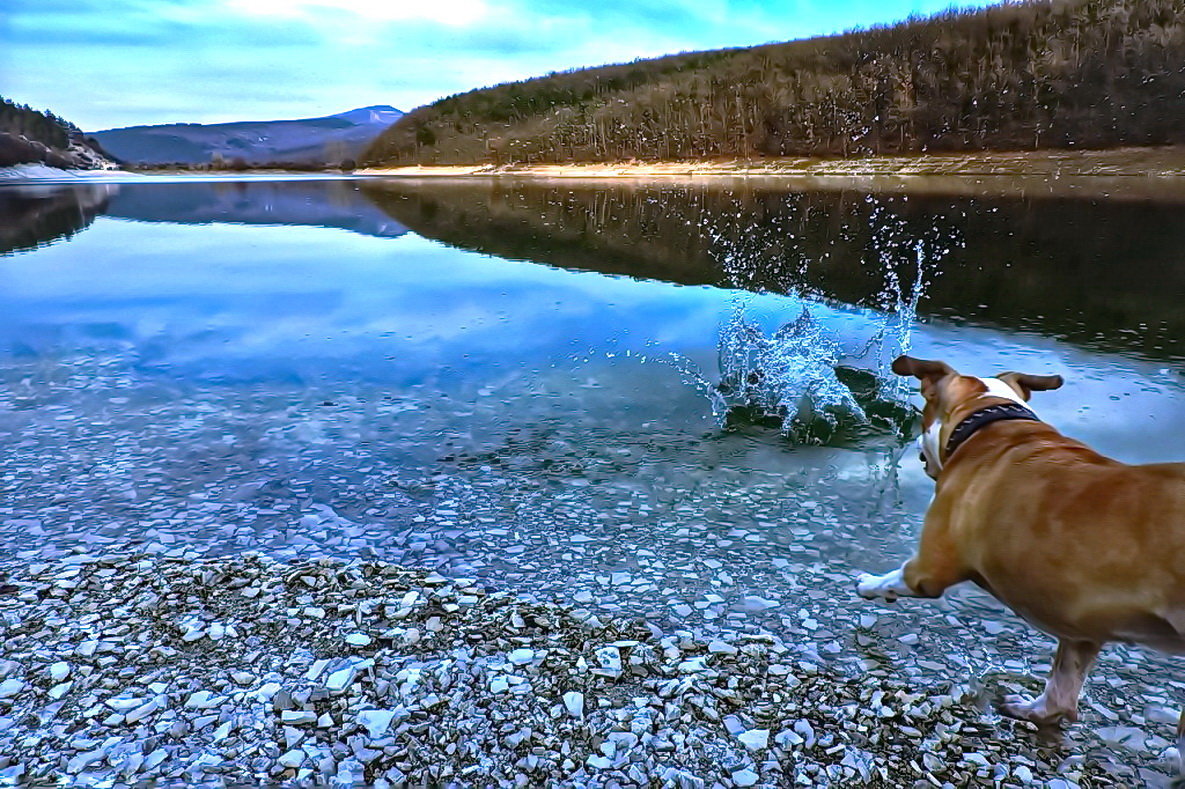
[{"x": 328, "y": 140}]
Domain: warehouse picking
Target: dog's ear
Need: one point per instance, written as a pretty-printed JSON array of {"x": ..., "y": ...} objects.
[
  {"x": 1027, "y": 384},
  {"x": 924, "y": 369}
]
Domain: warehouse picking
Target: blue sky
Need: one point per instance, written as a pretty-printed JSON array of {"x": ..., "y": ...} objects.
[{"x": 106, "y": 63}]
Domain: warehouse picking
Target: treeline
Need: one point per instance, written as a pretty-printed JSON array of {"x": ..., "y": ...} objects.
[
  {"x": 29, "y": 136},
  {"x": 1047, "y": 74},
  {"x": 238, "y": 164},
  {"x": 43, "y": 127}
]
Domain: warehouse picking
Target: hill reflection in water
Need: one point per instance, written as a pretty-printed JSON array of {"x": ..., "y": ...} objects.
[
  {"x": 36, "y": 214},
  {"x": 1106, "y": 274}
]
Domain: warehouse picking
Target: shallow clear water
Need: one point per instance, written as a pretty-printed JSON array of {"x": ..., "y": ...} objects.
[{"x": 520, "y": 381}]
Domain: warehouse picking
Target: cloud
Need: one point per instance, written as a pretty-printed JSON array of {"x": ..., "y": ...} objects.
[{"x": 444, "y": 12}]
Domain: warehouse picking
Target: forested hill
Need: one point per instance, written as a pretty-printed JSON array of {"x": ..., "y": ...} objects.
[
  {"x": 1082, "y": 73},
  {"x": 31, "y": 136}
]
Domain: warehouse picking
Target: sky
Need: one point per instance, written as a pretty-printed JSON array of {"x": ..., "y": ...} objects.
[{"x": 110, "y": 63}]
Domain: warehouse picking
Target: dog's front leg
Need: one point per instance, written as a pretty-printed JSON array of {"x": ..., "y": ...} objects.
[
  {"x": 886, "y": 587},
  {"x": 1059, "y": 700},
  {"x": 936, "y": 567}
]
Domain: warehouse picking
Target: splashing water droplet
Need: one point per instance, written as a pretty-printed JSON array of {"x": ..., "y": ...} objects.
[{"x": 798, "y": 378}]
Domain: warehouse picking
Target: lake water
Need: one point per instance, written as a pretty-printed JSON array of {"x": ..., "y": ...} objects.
[{"x": 523, "y": 382}]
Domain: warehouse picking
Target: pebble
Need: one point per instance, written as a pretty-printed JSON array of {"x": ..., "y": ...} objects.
[
  {"x": 376, "y": 722},
  {"x": 745, "y": 777},
  {"x": 755, "y": 739},
  {"x": 341, "y": 679},
  {"x": 574, "y": 703},
  {"x": 521, "y": 657}
]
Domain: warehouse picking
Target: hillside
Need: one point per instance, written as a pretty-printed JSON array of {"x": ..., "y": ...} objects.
[
  {"x": 1051, "y": 74},
  {"x": 29, "y": 136},
  {"x": 333, "y": 139}
]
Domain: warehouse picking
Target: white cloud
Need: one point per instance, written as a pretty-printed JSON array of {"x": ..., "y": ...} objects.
[{"x": 453, "y": 13}]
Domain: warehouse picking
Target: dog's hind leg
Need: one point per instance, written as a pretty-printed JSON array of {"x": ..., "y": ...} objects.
[
  {"x": 1181, "y": 747},
  {"x": 1059, "y": 700}
]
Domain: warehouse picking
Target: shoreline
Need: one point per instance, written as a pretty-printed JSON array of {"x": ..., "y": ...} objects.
[
  {"x": 126, "y": 666},
  {"x": 1131, "y": 173}
]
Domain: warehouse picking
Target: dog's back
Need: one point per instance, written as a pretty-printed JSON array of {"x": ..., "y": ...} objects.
[{"x": 1082, "y": 546}]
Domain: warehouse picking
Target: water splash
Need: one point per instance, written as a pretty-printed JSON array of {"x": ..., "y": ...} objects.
[
  {"x": 788, "y": 378},
  {"x": 800, "y": 378}
]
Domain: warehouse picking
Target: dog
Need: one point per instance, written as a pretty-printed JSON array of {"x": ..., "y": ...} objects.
[{"x": 1083, "y": 547}]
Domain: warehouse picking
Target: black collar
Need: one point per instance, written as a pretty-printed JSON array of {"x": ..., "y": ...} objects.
[{"x": 993, "y": 413}]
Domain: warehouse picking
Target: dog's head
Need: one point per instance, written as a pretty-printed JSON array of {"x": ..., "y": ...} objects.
[{"x": 950, "y": 397}]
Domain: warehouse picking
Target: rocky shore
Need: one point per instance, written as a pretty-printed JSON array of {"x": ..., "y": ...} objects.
[
  {"x": 126, "y": 667},
  {"x": 1120, "y": 173}
]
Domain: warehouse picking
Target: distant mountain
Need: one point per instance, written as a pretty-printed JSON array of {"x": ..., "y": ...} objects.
[{"x": 329, "y": 140}]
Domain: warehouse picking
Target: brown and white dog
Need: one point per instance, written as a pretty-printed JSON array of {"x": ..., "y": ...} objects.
[{"x": 1084, "y": 547}]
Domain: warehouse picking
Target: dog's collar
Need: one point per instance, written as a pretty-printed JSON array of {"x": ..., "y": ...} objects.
[{"x": 993, "y": 413}]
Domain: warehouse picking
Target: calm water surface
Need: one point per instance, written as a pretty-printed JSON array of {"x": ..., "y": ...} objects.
[{"x": 519, "y": 381}]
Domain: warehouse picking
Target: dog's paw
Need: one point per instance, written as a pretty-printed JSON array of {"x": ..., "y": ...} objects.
[
  {"x": 1034, "y": 710},
  {"x": 872, "y": 587}
]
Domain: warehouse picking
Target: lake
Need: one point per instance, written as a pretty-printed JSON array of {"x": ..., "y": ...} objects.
[{"x": 664, "y": 400}]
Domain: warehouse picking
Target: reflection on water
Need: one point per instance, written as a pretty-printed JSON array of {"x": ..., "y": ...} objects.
[
  {"x": 320, "y": 203},
  {"x": 1106, "y": 274},
  {"x": 34, "y": 216}
]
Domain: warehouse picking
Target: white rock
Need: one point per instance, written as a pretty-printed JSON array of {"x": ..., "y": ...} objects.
[
  {"x": 804, "y": 729},
  {"x": 358, "y": 639},
  {"x": 293, "y": 758},
  {"x": 317, "y": 669},
  {"x": 521, "y": 657},
  {"x": 10, "y": 687},
  {"x": 144, "y": 710},
  {"x": 1128, "y": 736},
  {"x": 267, "y": 690},
  {"x": 610, "y": 659},
  {"x": 718, "y": 647},
  {"x": 376, "y": 722},
  {"x": 84, "y": 760},
  {"x": 341, "y": 679},
  {"x": 155, "y": 758},
  {"x": 744, "y": 777},
  {"x": 752, "y": 602},
  {"x": 59, "y": 671},
  {"x": 574, "y": 703},
  {"x": 201, "y": 700},
  {"x": 298, "y": 717},
  {"x": 124, "y": 704},
  {"x": 755, "y": 739}
]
